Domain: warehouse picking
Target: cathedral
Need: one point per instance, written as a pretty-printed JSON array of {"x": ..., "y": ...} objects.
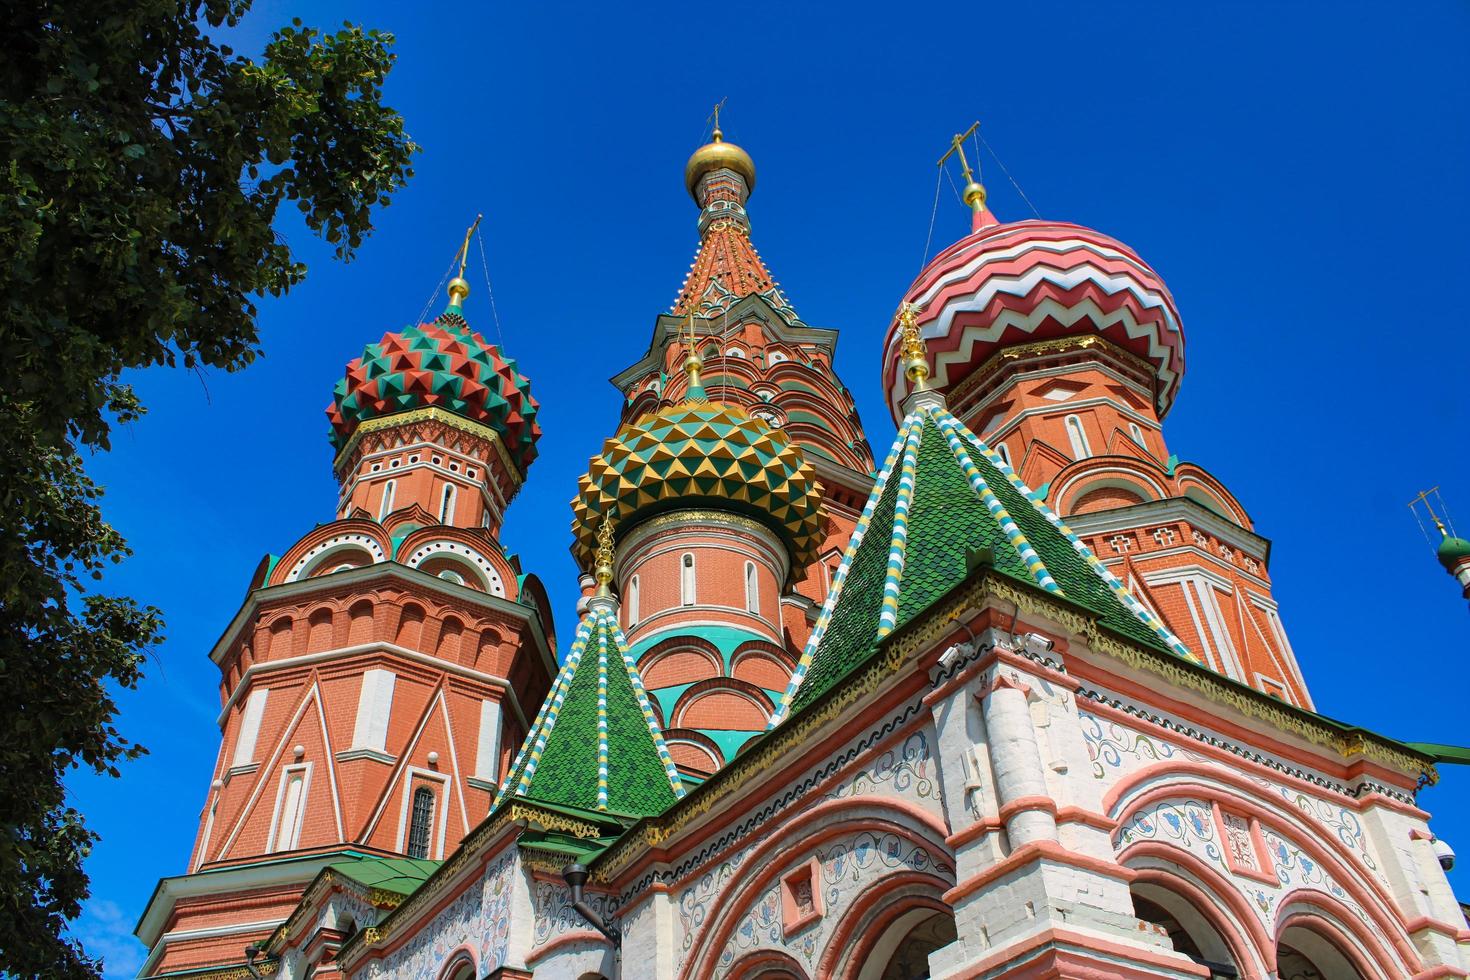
[{"x": 1010, "y": 698}]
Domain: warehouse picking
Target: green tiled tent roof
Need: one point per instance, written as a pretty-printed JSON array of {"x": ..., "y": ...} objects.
[
  {"x": 401, "y": 876},
  {"x": 596, "y": 743},
  {"x": 941, "y": 495}
]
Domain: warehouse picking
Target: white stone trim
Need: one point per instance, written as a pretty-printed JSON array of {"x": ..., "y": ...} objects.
[
  {"x": 339, "y": 542},
  {"x": 489, "y": 576}
]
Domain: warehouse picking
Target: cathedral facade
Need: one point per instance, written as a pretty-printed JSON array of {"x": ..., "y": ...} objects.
[{"x": 1011, "y": 698}]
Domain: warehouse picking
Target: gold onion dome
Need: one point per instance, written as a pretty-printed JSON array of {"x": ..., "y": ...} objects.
[
  {"x": 710, "y": 455},
  {"x": 718, "y": 155}
]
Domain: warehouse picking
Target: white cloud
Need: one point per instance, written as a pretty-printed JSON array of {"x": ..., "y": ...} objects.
[{"x": 106, "y": 931}]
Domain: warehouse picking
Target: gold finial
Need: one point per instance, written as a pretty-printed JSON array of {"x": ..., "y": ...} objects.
[
  {"x": 693, "y": 364},
  {"x": 458, "y": 287},
  {"x": 714, "y": 117},
  {"x": 974, "y": 192},
  {"x": 914, "y": 354},
  {"x": 604, "y": 569}
]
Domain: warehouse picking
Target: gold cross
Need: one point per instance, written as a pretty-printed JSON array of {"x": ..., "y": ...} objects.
[
  {"x": 715, "y": 115},
  {"x": 1424, "y": 498},
  {"x": 464, "y": 250},
  {"x": 957, "y": 145}
]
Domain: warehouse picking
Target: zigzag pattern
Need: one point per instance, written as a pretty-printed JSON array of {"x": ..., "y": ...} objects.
[
  {"x": 690, "y": 453},
  {"x": 445, "y": 365},
  {"x": 1033, "y": 280}
]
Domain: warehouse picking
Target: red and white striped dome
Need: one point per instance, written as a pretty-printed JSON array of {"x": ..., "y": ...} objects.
[{"x": 1026, "y": 281}]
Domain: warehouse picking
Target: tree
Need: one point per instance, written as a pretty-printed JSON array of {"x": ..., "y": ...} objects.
[{"x": 144, "y": 165}]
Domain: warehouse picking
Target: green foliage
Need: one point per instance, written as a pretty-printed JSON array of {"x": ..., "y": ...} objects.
[{"x": 143, "y": 168}]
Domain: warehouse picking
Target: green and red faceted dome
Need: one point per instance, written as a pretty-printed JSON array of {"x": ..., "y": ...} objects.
[
  {"x": 444, "y": 365},
  {"x": 1027, "y": 281}
]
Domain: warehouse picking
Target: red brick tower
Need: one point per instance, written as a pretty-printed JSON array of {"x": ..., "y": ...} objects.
[
  {"x": 382, "y": 670},
  {"x": 716, "y": 597},
  {"x": 1063, "y": 350}
]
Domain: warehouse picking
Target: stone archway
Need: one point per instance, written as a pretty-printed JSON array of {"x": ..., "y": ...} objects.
[
  {"x": 1190, "y": 928},
  {"x": 901, "y": 952}
]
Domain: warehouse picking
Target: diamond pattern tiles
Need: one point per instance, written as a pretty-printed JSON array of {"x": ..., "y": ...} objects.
[
  {"x": 596, "y": 743},
  {"x": 445, "y": 365},
  {"x": 712, "y": 454},
  {"x": 941, "y": 494}
]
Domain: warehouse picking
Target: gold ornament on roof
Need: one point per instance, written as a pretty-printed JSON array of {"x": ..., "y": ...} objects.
[
  {"x": 604, "y": 570},
  {"x": 459, "y": 287},
  {"x": 914, "y": 354},
  {"x": 974, "y": 192},
  {"x": 718, "y": 155}
]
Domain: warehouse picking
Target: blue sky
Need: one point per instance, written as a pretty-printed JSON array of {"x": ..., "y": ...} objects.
[{"x": 1295, "y": 172}]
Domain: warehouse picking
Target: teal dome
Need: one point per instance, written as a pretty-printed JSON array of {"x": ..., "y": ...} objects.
[{"x": 1452, "y": 551}]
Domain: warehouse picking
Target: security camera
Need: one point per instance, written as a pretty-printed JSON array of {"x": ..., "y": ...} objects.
[
  {"x": 955, "y": 652},
  {"x": 1445, "y": 853},
  {"x": 1036, "y": 644}
]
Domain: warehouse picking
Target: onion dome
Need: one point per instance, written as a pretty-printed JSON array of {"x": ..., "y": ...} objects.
[
  {"x": 1452, "y": 551},
  {"x": 445, "y": 365},
  {"x": 718, "y": 155},
  {"x": 700, "y": 454},
  {"x": 1027, "y": 281}
]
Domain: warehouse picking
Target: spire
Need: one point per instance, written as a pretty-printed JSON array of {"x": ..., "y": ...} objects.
[
  {"x": 1453, "y": 551},
  {"x": 459, "y": 288},
  {"x": 693, "y": 364},
  {"x": 726, "y": 269},
  {"x": 974, "y": 192}
]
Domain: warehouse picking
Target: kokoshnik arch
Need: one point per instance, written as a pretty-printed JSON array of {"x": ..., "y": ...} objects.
[{"x": 1013, "y": 700}]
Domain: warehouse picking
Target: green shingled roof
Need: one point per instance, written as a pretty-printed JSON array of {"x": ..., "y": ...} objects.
[
  {"x": 596, "y": 743},
  {"x": 941, "y": 495},
  {"x": 401, "y": 876}
]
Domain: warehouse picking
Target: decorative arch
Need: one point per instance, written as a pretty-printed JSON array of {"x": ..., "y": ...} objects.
[
  {"x": 1212, "y": 896},
  {"x": 693, "y": 750},
  {"x": 767, "y": 964},
  {"x": 461, "y": 965},
  {"x": 659, "y": 663},
  {"x": 778, "y": 854},
  {"x": 464, "y": 555},
  {"x": 734, "y": 704},
  {"x": 878, "y": 919},
  {"x": 319, "y": 635},
  {"x": 1122, "y": 474},
  {"x": 328, "y": 546},
  {"x": 1201, "y": 782},
  {"x": 1335, "y": 926},
  {"x": 1209, "y": 492},
  {"x": 763, "y": 664}
]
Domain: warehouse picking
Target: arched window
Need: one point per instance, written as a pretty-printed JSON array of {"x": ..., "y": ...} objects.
[
  {"x": 1078, "y": 438},
  {"x": 1004, "y": 452},
  {"x": 421, "y": 823},
  {"x": 446, "y": 506},
  {"x": 386, "y": 507},
  {"x": 735, "y": 352},
  {"x": 686, "y": 580},
  {"x": 776, "y": 357},
  {"x": 752, "y": 589},
  {"x": 1137, "y": 434},
  {"x": 632, "y": 602}
]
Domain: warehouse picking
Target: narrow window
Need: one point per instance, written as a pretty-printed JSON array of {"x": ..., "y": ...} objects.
[
  {"x": 1137, "y": 434},
  {"x": 446, "y": 508},
  {"x": 633, "y": 601},
  {"x": 1078, "y": 438},
  {"x": 250, "y": 727},
  {"x": 1004, "y": 452},
  {"x": 374, "y": 705},
  {"x": 487, "y": 746},
  {"x": 386, "y": 507},
  {"x": 752, "y": 591},
  {"x": 686, "y": 580},
  {"x": 288, "y": 817},
  {"x": 422, "y": 823}
]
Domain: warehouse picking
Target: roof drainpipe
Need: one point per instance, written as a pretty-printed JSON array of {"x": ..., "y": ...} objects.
[
  {"x": 575, "y": 875},
  {"x": 251, "y": 952}
]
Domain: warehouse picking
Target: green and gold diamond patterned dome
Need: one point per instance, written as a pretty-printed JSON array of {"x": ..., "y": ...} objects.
[
  {"x": 443, "y": 364},
  {"x": 700, "y": 454}
]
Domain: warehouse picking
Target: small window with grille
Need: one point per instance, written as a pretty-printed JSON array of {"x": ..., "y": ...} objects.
[{"x": 421, "y": 824}]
